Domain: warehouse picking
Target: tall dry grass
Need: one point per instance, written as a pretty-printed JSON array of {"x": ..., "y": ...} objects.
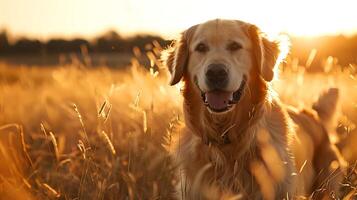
[{"x": 73, "y": 132}]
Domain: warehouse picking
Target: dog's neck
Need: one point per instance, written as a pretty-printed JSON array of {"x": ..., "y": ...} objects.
[{"x": 230, "y": 128}]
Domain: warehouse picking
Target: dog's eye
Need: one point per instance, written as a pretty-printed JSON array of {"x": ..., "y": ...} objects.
[
  {"x": 201, "y": 48},
  {"x": 234, "y": 46}
]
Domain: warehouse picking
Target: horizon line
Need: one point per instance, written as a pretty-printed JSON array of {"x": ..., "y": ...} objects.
[{"x": 167, "y": 36}]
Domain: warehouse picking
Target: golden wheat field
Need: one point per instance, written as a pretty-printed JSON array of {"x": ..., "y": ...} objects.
[{"x": 76, "y": 132}]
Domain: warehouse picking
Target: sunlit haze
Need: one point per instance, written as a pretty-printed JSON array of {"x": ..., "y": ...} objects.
[{"x": 68, "y": 18}]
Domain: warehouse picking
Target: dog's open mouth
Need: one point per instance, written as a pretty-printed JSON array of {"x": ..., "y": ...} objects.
[{"x": 221, "y": 101}]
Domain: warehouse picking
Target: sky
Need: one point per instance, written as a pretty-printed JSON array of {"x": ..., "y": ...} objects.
[{"x": 86, "y": 18}]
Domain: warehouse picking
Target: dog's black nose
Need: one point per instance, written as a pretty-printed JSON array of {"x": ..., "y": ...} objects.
[{"x": 217, "y": 76}]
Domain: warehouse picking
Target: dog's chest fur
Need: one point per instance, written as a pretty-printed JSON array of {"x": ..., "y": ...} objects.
[{"x": 215, "y": 170}]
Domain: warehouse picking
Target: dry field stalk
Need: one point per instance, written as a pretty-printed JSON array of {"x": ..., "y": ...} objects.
[{"x": 74, "y": 132}]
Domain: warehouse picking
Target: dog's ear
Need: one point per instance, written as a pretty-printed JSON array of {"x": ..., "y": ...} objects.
[
  {"x": 266, "y": 52},
  {"x": 175, "y": 58}
]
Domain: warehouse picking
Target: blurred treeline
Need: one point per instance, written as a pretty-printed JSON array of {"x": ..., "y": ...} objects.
[
  {"x": 111, "y": 41},
  {"x": 339, "y": 49}
]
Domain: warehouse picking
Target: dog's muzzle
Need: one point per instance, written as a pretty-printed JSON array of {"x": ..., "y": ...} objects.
[{"x": 219, "y": 101}]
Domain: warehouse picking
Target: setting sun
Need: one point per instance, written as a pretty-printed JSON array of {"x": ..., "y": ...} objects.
[{"x": 43, "y": 18}]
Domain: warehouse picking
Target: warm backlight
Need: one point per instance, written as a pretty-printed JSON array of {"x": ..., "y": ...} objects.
[{"x": 44, "y": 18}]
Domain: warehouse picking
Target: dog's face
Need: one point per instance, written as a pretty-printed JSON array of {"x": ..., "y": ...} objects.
[{"x": 218, "y": 57}]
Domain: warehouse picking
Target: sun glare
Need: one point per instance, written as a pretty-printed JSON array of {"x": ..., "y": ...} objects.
[{"x": 168, "y": 18}]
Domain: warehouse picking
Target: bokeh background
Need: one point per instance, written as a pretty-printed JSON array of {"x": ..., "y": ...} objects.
[{"x": 85, "y": 107}]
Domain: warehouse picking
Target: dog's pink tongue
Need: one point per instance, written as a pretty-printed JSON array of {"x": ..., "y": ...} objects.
[{"x": 218, "y": 100}]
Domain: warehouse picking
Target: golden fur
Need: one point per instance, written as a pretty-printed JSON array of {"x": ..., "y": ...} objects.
[{"x": 271, "y": 150}]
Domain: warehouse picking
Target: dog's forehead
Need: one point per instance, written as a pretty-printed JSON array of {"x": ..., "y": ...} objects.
[{"x": 217, "y": 31}]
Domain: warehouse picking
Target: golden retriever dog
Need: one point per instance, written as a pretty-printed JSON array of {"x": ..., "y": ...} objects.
[{"x": 239, "y": 140}]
